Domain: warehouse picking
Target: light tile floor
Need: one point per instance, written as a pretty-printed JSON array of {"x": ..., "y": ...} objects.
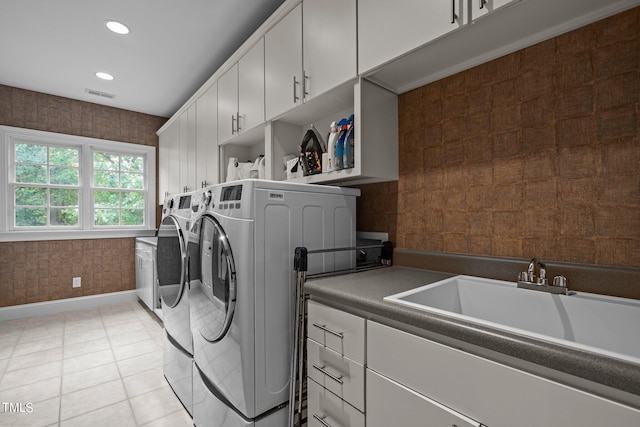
[{"x": 97, "y": 367}]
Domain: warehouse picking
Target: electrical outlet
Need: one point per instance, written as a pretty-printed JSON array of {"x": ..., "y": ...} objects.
[{"x": 76, "y": 282}]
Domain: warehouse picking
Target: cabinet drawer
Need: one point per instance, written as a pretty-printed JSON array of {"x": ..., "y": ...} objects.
[
  {"x": 392, "y": 404},
  {"x": 326, "y": 409},
  {"x": 336, "y": 373},
  {"x": 337, "y": 330},
  {"x": 476, "y": 386}
]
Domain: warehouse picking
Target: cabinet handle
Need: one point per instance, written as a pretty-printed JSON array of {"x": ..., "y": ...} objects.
[
  {"x": 238, "y": 128},
  {"x": 325, "y": 329},
  {"x": 336, "y": 378},
  {"x": 453, "y": 12},
  {"x": 233, "y": 124},
  {"x": 321, "y": 418},
  {"x": 295, "y": 92},
  {"x": 305, "y": 91},
  {"x": 482, "y": 3}
]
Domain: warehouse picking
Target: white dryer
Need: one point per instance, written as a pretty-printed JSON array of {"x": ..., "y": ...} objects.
[
  {"x": 242, "y": 288},
  {"x": 171, "y": 268}
]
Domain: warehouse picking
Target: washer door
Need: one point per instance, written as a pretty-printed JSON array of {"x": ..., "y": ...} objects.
[
  {"x": 171, "y": 261},
  {"x": 213, "y": 279}
]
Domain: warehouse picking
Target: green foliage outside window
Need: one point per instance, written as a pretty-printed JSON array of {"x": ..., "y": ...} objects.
[
  {"x": 113, "y": 175},
  {"x": 41, "y": 204}
]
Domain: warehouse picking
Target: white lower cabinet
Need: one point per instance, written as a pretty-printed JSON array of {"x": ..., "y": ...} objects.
[
  {"x": 336, "y": 373},
  {"x": 335, "y": 367},
  {"x": 392, "y": 404},
  {"x": 327, "y": 409},
  {"x": 441, "y": 381}
]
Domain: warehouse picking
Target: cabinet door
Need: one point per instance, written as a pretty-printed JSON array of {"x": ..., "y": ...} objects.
[
  {"x": 187, "y": 150},
  {"x": 207, "y": 137},
  {"x": 191, "y": 183},
  {"x": 283, "y": 64},
  {"x": 173, "y": 154},
  {"x": 251, "y": 88},
  {"x": 227, "y": 104},
  {"x": 484, "y": 7},
  {"x": 163, "y": 165},
  {"x": 329, "y": 44},
  {"x": 144, "y": 274},
  {"x": 389, "y": 29},
  {"x": 392, "y": 404}
]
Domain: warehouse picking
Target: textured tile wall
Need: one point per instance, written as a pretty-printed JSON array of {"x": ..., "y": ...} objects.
[
  {"x": 35, "y": 110},
  {"x": 43, "y": 270},
  {"x": 533, "y": 154}
]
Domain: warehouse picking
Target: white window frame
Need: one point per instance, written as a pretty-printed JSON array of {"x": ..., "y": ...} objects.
[{"x": 86, "y": 229}]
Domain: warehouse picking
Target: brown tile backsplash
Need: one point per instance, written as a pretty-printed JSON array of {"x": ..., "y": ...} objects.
[
  {"x": 536, "y": 154},
  {"x": 43, "y": 270}
]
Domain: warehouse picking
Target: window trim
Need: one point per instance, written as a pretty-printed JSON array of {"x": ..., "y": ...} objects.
[{"x": 87, "y": 146}]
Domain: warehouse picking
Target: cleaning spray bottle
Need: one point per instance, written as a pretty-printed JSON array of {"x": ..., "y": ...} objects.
[{"x": 331, "y": 149}]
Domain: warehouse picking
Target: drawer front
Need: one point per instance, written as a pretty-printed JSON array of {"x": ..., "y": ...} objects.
[
  {"x": 325, "y": 409},
  {"x": 392, "y": 404},
  {"x": 337, "y": 330},
  {"x": 475, "y": 386},
  {"x": 336, "y": 373}
]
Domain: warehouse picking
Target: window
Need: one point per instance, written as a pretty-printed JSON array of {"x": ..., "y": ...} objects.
[
  {"x": 118, "y": 183},
  {"x": 67, "y": 186},
  {"x": 46, "y": 191}
]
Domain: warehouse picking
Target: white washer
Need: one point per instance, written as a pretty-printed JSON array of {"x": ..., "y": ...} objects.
[
  {"x": 242, "y": 288},
  {"x": 171, "y": 267}
]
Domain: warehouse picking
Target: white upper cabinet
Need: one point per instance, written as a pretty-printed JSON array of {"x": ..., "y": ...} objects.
[
  {"x": 309, "y": 52},
  {"x": 283, "y": 64},
  {"x": 207, "y": 137},
  {"x": 241, "y": 95},
  {"x": 251, "y": 88},
  {"x": 329, "y": 47},
  {"x": 228, "y": 104},
  {"x": 163, "y": 165},
  {"x": 481, "y": 8},
  {"x": 187, "y": 150},
  {"x": 388, "y": 29}
]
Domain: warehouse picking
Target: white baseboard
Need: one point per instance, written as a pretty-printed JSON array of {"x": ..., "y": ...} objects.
[{"x": 57, "y": 306}]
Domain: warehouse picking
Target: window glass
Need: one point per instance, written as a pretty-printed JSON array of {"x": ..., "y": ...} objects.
[
  {"x": 47, "y": 190},
  {"x": 120, "y": 174}
]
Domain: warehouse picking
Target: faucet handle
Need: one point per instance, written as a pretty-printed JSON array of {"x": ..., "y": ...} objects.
[
  {"x": 560, "y": 281},
  {"x": 542, "y": 280}
]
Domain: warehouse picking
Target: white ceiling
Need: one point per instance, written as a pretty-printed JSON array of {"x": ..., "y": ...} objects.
[{"x": 57, "y": 46}]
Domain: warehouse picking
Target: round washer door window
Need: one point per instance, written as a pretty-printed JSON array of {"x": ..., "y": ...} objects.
[
  {"x": 212, "y": 274},
  {"x": 170, "y": 261}
]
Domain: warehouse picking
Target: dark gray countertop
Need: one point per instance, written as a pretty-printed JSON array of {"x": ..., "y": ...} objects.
[{"x": 363, "y": 293}]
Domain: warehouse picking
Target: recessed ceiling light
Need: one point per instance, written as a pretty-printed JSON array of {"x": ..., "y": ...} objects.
[
  {"x": 117, "y": 27},
  {"x": 104, "y": 76}
]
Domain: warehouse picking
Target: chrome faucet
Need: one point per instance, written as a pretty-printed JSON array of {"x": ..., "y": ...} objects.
[{"x": 529, "y": 280}]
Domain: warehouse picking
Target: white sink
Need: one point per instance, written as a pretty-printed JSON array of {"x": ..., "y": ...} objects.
[{"x": 597, "y": 323}]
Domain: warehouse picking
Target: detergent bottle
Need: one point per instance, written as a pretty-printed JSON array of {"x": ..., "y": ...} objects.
[
  {"x": 339, "y": 154},
  {"x": 348, "y": 158}
]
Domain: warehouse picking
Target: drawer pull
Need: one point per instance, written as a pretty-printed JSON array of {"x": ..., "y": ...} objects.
[
  {"x": 324, "y": 328},
  {"x": 321, "y": 419},
  {"x": 337, "y": 379}
]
